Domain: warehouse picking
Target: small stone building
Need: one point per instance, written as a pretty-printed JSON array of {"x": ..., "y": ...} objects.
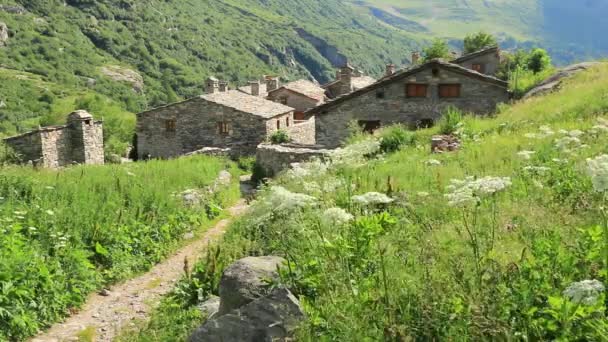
[
  {"x": 79, "y": 141},
  {"x": 348, "y": 79},
  {"x": 416, "y": 97},
  {"x": 486, "y": 61},
  {"x": 224, "y": 119},
  {"x": 301, "y": 95}
]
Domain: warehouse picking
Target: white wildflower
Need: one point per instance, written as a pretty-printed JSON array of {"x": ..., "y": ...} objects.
[
  {"x": 32, "y": 229},
  {"x": 423, "y": 194},
  {"x": 599, "y": 129},
  {"x": 527, "y": 155},
  {"x": 355, "y": 154},
  {"x": 598, "y": 170},
  {"x": 311, "y": 187},
  {"x": 531, "y": 135},
  {"x": 562, "y": 131},
  {"x": 314, "y": 167},
  {"x": 130, "y": 174},
  {"x": 433, "y": 162},
  {"x": 280, "y": 198},
  {"x": 49, "y": 187},
  {"x": 576, "y": 133},
  {"x": 566, "y": 142},
  {"x": 470, "y": 190},
  {"x": 337, "y": 216},
  {"x": 332, "y": 185},
  {"x": 546, "y": 131},
  {"x": 584, "y": 292},
  {"x": 372, "y": 198},
  {"x": 537, "y": 169}
]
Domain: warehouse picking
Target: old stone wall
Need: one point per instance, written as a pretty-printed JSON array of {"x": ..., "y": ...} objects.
[
  {"x": 87, "y": 142},
  {"x": 279, "y": 122},
  {"x": 390, "y": 105},
  {"x": 56, "y": 148},
  {"x": 272, "y": 159},
  {"x": 197, "y": 125},
  {"x": 303, "y": 132},
  {"x": 490, "y": 63},
  {"x": 27, "y": 146}
]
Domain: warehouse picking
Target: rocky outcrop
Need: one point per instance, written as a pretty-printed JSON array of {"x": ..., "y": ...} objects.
[
  {"x": 121, "y": 74},
  {"x": 12, "y": 9},
  {"x": 210, "y": 307},
  {"x": 554, "y": 82},
  {"x": 3, "y": 34},
  {"x": 250, "y": 309}
]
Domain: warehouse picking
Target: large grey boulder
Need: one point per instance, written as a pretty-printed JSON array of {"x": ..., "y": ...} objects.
[
  {"x": 3, "y": 34},
  {"x": 210, "y": 307},
  {"x": 553, "y": 83},
  {"x": 271, "y": 318},
  {"x": 247, "y": 280}
]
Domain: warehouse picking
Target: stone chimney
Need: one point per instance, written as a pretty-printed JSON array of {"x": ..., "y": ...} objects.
[
  {"x": 223, "y": 86},
  {"x": 255, "y": 88},
  {"x": 346, "y": 79},
  {"x": 272, "y": 83},
  {"x": 390, "y": 70},
  {"x": 212, "y": 85},
  {"x": 415, "y": 57},
  {"x": 338, "y": 74}
]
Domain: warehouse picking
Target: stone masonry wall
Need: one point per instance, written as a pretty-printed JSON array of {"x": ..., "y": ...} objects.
[
  {"x": 303, "y": 132},
  {"x": 56, "y": 148},
  {"x": 390, "y": 105},
  {"x": 490, "y": 61},
  {"x": 273, "y": 159},
  {"x": 299, "y": 102},
  {"x": 27, "y": 146},
  {"x": 92, "y": 143}
]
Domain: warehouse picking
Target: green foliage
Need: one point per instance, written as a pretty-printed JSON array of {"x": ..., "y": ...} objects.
[
  {"x": 450, "y": 121},
  {"x": 394, "y": 138},
  {"x": 478, "y": 41},
  {"x": 57, "y": 243},
  {"x": 538, "y": 60},
  {"x": 279, "y": 137},
  {"x": 438, "y": 49}
]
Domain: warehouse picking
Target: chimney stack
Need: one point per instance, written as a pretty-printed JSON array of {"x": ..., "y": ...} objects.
[
  {"x": 390, "y": 69},
  {"x": 223, "y": 87},
  {"x": 338, "y": 74},
  {"x": 212, "y": 86},
  {"x": 255, "y": 88},
  {"x": 415, "y": 57},
  {"x": 346, "y": 75},
  {"x": 272, "y": 83}
]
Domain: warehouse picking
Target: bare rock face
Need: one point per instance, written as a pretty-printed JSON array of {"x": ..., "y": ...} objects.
[
  {"x": 3, "y": 34},
  {"x": 247, "y": 280},
  {"x": 271, "y": 318},
  {"x": 120, "y": 74},
  {"x": 553, "y": 83}
]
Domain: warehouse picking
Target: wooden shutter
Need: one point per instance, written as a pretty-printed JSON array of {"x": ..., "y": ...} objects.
[
  {"x": 449, "y": 90},
  {"x": 416, "y": 90}
]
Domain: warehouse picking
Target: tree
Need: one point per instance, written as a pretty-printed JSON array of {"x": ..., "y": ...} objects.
[
  {"x": 538, "y": 60},
  {"x": 478, "y": 41},
  {"x": 439, "y": 49}
]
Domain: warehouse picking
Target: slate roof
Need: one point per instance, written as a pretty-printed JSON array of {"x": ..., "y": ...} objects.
[
  {"x": 405, "y": 73},
  {"x": 247, "y": 89},
  {"x": 493, "y": 49},
  {"x": 254, "y": 105},
  {"x": 304, "y": 87}
]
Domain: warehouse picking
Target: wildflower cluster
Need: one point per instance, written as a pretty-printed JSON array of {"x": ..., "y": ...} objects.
[
  {"x": 471, "y": 190},
  {"x": 601, "y": 127},
  {"x": 584, "y": 292},
  {"x": 539, "y": 170},
  {"x": 314, "y": 167},
  {"x": 527, "y": 155},
  {"x": 372, "y": 198},
  {"x": 281, "y": 199},
  {"x": 355, "y": 154},
  {"x": 433, "y": 162},
  {"x": 337, "y": 216},
  {"x": 598, "y": 170}
]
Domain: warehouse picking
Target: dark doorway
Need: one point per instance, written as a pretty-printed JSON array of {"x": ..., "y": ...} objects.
[
  {"x": 426, "y": 123},
  {"x": 369, "y": 126}
]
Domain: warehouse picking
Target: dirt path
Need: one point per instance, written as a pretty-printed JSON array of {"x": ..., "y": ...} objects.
[{"x": 104, "y": 316}]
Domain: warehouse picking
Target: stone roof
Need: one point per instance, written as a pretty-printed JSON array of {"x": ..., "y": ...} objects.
[
  {"x": 247, "y": 89},
  {"x": 254, "y": 105},
  {"x": 304, "y": 87},
  {"x": 80, "y": 115},
  {"x": 37, "y": 131},
  {"x": 407, "y": 72},
  {"x": 493, "y": 49},
  {"x": 362, "y": 81}
]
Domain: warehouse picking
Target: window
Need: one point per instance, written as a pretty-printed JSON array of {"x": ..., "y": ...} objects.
[
  {"x": 449, "y": 90},
  {"x": 278, "y": 124},
  {"x": 170, "y": 125},
  {"x": 299, "y": 116},
  {"x": 223, "y": 128},
  {"x": 87, "y": 122},
  {"x": 479, "y": 68},
  {"x": 435, "y": 72},
  {"x": 416, "y": 90},
  {"x": 287, "y": 121},
  {"x": 380, "y": 94},
  {"x": 369, "y": 126}
]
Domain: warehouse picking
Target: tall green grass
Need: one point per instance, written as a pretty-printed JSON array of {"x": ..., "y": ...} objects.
[{"x": 66, "y": 233}]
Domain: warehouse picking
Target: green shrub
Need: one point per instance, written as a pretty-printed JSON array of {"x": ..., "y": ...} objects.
[
  {"x": 394, "y": 138},
  {"x": 247, "y": 164},
  {"x": 450, "y": 121},
  {"x": 279, "y": 137}
]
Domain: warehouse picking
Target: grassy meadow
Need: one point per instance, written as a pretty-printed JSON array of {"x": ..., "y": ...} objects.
[
  {"x": 505, "y": 239},
  {"x": 66, "y": 233}
]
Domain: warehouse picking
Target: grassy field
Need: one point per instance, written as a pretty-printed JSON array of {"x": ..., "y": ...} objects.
[
  {"x": 488, "y": 243},
  {"x": 64, "y": 234}
]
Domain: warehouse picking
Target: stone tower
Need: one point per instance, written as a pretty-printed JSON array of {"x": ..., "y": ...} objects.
[
  {"x": 86, "y": 138},
  {"x": 346, "y": 79},
  {"x": 212, "y": 85}
]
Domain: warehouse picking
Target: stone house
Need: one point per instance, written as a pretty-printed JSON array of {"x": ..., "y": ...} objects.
[
  {"x": 224, "y": 119},
  {"x": 79, "y": 141},
  {"x": 348, "y": 79},
  {"x": 486, "y": 61},
  {"x": 416, "y": 97},
  {"x": 301, "y": 95}
]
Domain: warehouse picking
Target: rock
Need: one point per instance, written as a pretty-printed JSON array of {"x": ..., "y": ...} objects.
[
  {"x": 188, "y": 236},
  {"x": 444, "y": 143},
  {"x": 553, "y": 83},
  {"x": 121, "y": 74},
  {"x": 224, "y": 178},
  {"x": 3, "y": 34},
  {"x": 12, "y": 9},
  {"x": 211, "y": 151},
  {"x": 210, "y": 307},
  {"x": 191, "y": 197},
  {"x": 247, "y": 280},
  {"x": 271, "y": 318},
  {"x": 105, "y": 292}
]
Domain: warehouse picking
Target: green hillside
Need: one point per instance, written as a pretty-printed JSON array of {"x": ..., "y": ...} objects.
[{"x": 570, "y": 30}]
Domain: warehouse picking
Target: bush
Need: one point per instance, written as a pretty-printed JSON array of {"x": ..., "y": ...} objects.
[
  {"x": 478, "y": 41},
  {"x": 451, "y": 121},
  {"x": 279, "y": 137},
  {"x": 394, "y": 138},
  {"x": 439, "y": 49}
]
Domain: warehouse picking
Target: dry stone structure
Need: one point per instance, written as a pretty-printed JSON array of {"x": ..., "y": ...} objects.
[
  {"x": 3, "y": 34},
  {"x": 80, "y": 141},
  {"x": 301, "y": 95},
  {"x": 272, "y": 159}
]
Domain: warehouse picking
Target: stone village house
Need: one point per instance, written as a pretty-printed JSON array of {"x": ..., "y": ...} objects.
[
  {"x": 224, "y": 119},
  {"x": 79, "y": 141},
  {"x": 301, "y": 95},
  {"x": 486, "y": 61},
  {"x": 415, "y": 97}
]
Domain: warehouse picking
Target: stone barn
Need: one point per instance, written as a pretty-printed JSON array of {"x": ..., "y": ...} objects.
[
  {"x": 486, "y": 61},
  {"x": 416, "y": 97},
  {"x": 224, "y": 119},
  {"x": 79, "y": 141},
  {"x": 301, "y": 95}
]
